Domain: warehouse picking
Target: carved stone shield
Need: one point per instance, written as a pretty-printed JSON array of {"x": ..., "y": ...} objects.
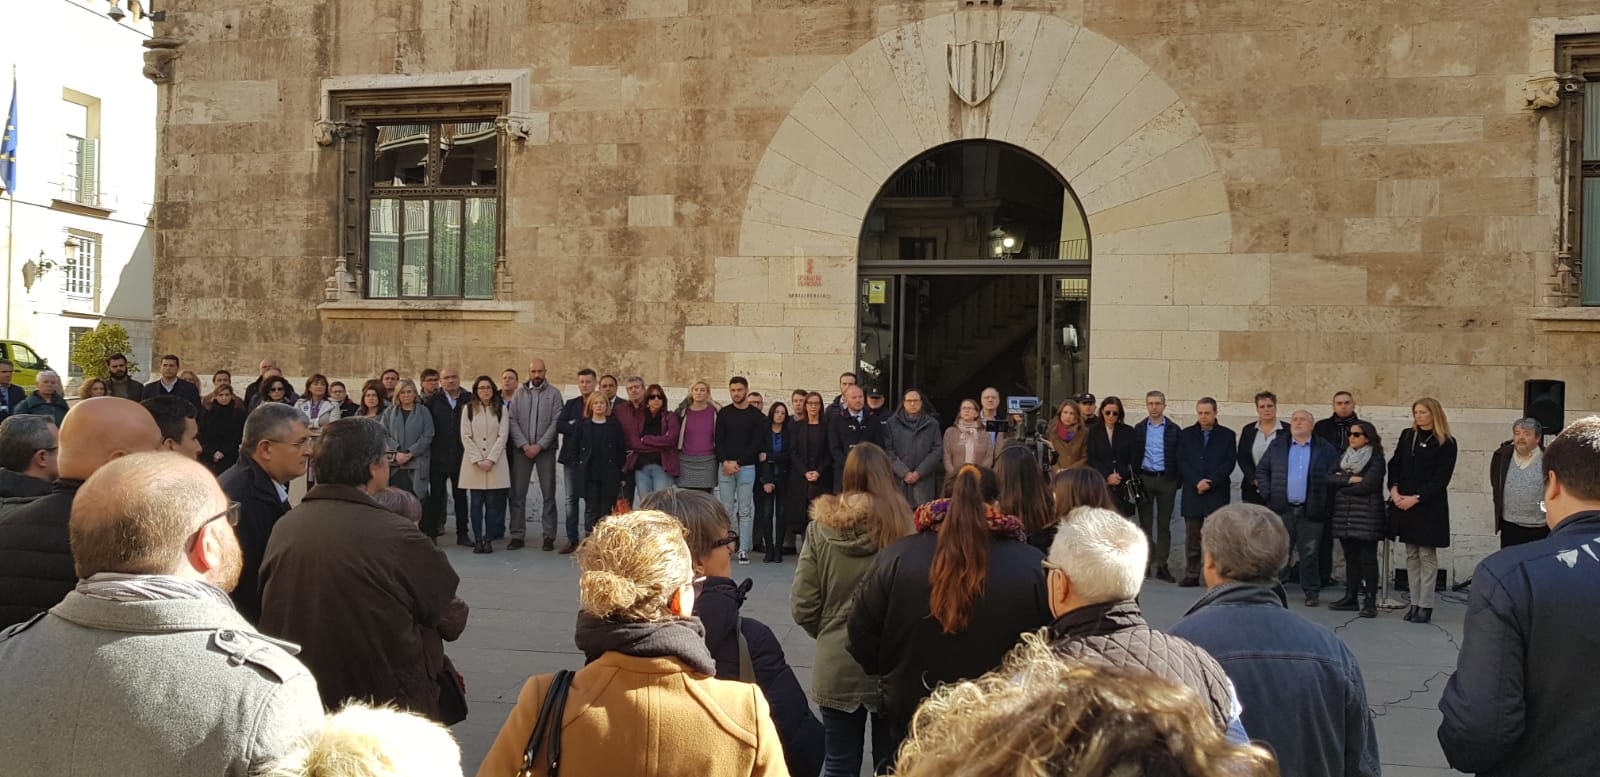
[{"x": 975, "y": 69}]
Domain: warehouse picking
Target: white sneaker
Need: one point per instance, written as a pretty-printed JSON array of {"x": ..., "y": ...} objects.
[{"x": 744, "y": 558}]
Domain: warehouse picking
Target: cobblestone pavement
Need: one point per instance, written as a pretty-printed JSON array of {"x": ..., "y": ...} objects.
[{"x": 524, "y": 605}]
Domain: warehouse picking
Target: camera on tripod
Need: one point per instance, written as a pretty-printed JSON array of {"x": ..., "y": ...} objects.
[{"x": 1033, "y": 430}]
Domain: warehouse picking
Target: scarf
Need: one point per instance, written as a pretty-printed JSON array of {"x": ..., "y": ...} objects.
[
  {"x": 1065, "y": 433},
  {"x": 680, "y": 638},
  {"x": 930, "y": 517},
  {"x": 968, "y": 431},
  {"x": 118, "y": 587},
  {"x": 1354, "y": 460}
]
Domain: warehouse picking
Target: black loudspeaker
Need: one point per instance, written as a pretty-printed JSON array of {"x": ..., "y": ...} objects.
[{"x": 1545, "y": 401}]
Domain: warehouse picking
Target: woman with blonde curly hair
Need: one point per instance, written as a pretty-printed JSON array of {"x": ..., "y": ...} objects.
[
  {"x": 1041, "y": 715},
  {"x": 947, "y": 603},
  {"x": 648, "y": 702}
]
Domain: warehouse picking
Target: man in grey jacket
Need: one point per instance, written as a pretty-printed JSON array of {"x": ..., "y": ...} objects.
[
  {"x": 534, "y": 410},
  {"x": 146, "y": 668}
]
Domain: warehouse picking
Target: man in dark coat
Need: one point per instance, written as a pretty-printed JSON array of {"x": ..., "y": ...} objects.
[
  {"x": 1264, "y": 429},
  {"x": 1207, "y": 452},
  {"x": 1155, "y": 456},
  {"x": 378, "y": 639},
  {"x": 35, "y": 553},
  {"x": 1300, "y": 686},
  {"x": 277, "y": 439},
  {"x": 1095, "y": 571},
  {"x": 445, "y": 463},
  {"x": 1525, "y": 676},
  {"x": 10, "y": 395},
  {"x": 1293, "y": 476},
  {"x": 1336, "y": 430},
  {"x": 29, "y": 445},
  {"x": 118, "y": 384},
  {"x": 169, "y": 383},
  {"x": 1519, "y": 515},
  {"x": 849, "y": 427}
]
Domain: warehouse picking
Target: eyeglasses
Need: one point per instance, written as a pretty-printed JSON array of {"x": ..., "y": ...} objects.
[
  {"x": 275, "y": 390},
  {"x": 730, "y": 540},
  {"x": 1111, "y": 414},
  {"x": 304, "y": 445},
  {"x": 231, "y": 515},
  {"x": 656, "y": 396},
  {"x": 389, "y": 457},
  {"x": 1362, "y": 435},
  {"x": 1049, "y": 567}
]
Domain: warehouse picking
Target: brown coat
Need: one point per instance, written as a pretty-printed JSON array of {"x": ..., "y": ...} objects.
[
  {"x": 955, "y": 451},
  {"x": 364, "y": 593},
  {"x": 1069, "y": 454},
  {"x": 646, "y": 717}
]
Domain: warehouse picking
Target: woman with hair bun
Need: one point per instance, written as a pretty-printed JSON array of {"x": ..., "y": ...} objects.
[
  {"x": 647, "y": 702},
  {"x": 948, "y": 602}
]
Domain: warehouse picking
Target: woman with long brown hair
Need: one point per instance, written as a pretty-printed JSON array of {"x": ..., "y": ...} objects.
[
  {"x": 1070, "y": 489},
  {"x": 845, "y": 535},
  {"x": 1023, "y": 492},
  {"x": 1069, "y": 438},
  {"x": 948, "y": 602}
]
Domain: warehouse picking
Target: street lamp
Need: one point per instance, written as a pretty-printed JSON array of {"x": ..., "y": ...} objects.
[{"x": 1002, "y": 244}]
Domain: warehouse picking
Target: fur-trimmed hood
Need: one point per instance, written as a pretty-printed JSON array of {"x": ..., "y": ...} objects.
[{"x": 842, "y": 521}]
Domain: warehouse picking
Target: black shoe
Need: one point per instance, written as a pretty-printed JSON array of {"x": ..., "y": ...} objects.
[
  {"x": 1190, "y": 582},
  {"x": 549, "y": 544},
  {"x": 1312, "y": 599},
  {"x": 1346, "y": 604},
  {"x": 1163, "y": 574},
  {"x": 488, "y": 546},
  {"x": 1411, "y": 614},
  {"x": 1369, "y": 609},
  {"x": 1423, "y": 615},
  {"x": 461, "y": 539},
  {"x": 477, "y": 547},
  {"x": 516, "y": 545}
]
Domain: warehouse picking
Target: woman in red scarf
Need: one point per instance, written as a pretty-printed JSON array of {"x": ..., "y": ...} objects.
[{"x": 1068, "y": 438}]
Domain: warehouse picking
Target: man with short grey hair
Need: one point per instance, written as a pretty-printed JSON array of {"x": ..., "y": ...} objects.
[
  {"x": 1094, "y": 573},
  {"x": 1516, "y": 479},
  {"x": 277, "y": 441},
  {"x": 1293, "y": 476},
  {"x": 145, "y": 668},
  {"x": 28, "y": 446},
  {"x": 46, "y": 399},
  {"x": 1300, "y": 685}
]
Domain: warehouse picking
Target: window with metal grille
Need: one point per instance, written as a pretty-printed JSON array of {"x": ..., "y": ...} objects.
[
  {"x": 82, "y": 267},
  {"x": 433, "y": 209},
  {"x": 1577, "y": 271}
]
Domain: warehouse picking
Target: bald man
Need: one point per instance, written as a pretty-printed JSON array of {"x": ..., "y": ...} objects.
[
  {"x": 35, "y": 554},
  {"x": 154, "y": 547}
]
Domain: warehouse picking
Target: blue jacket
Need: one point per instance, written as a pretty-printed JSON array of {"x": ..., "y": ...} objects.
[
  {"x": 1272, "y": 476},
  {"x": 1521, "y": 700},
  {"x": 1300, "y": 686},
  {"x": 1214, "y": 461},
  {"x": 1169, "y": 450}
]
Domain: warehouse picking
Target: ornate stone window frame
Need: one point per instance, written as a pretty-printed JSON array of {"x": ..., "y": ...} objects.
[
  {"x": 349, "y": 104},
  {"x": 1577, "y": 64}
]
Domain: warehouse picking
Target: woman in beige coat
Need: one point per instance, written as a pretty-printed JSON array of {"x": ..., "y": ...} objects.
[
  {"x": 647, "y": 703},
  {"x": 966, "y": 441},
  {"x": 485, "y": 474}
]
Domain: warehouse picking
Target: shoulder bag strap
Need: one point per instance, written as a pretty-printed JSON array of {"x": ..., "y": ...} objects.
[
  {"x": 747, "y": 667},
  {"x": 548, "y": 725}
]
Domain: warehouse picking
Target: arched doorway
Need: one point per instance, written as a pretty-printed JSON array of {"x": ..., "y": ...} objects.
[{"x": 974, "y": 272}]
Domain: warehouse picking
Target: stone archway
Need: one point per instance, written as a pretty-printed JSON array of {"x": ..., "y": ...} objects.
[{"x": 1092, "y": 109}]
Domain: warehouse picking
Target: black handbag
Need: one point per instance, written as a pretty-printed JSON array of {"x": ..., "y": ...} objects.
[
  {"x": 548, "y": 726},
  {"x": 452, "y": 695}
]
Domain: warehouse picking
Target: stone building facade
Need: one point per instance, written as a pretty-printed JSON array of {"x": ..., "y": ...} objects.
[{"x": 1295, "y": 195}]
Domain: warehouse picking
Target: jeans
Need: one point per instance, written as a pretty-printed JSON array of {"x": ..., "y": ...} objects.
[
  {"x": 649, "y": 479},
  {"x": 574, "y": 493},
  {"x": 1304, "y": 536},
  {"x": 843, "y": 735},
  {"x": 738, "y": 497},
  {"x": 1360, "y": 567},
  {"x": 1422, "y": 572},
  {"x": 433, "y": 506},
  {"x": 1155, "y": 514},
  {"x": 488, "y": 513}
]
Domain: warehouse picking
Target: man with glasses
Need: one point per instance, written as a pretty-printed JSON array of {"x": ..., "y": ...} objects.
[
  {"x": 35, "y": 553},
  {"x": 28, "y": 446},
  {"x": 152, "y": 542},
  {"x": 277, "y": 441},
  {"x": 379, "y": 638}
]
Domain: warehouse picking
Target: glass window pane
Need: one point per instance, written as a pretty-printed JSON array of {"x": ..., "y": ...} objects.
[
  {"x": 383, "y": 248},
  {"x": 1591, "y": 241},
  {"x": 470, "y": 154},
  {"x": 447, "y": 248},
  {"x": 481, "y": 238},
  {"x": 414, "y": 257},
  {"x": 1591, "y": 121},
  {"x": 400, "y": 155}
]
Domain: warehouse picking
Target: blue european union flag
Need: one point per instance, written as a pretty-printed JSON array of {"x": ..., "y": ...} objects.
[{"x": 8, "y": 146}]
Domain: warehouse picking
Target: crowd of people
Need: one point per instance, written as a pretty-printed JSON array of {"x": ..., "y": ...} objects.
[{"x": 159, "y": 589}]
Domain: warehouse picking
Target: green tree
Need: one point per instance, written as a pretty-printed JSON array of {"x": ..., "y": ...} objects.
[{"x": 95, "y": 346}]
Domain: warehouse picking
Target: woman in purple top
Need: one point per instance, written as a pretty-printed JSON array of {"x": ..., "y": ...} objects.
[{"x": 697, "y": 440}]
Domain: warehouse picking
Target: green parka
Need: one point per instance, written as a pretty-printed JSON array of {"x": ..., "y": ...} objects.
[{"x": 837, "y": 553}]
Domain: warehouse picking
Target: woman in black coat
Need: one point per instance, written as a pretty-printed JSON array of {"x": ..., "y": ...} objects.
[
  {"x": 1359, "y": 521},
  {"x": 810, "y": 465},
  {"x": 915, "y": 631},
  {"x": 1419, "y": 504},
  {"x": 221, "y": 429},
  {"x": 772, "y": 479},
  {"x": 601, "y": 450},
  {"x": 1111, "y": 451}
]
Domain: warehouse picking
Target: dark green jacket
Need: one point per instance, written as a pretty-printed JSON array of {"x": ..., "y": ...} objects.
[{"x": 837, "y": 553}]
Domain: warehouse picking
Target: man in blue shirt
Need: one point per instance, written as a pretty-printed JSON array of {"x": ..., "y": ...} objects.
[
  {"x": 1155, "y": 442},
  {"x": 1291, "y": 476}
]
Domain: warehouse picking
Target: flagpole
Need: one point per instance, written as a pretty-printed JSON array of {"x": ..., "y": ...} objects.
[{"x": 11, "y": 218}]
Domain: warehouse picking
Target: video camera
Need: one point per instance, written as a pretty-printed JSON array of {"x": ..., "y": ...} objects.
[{"x": 1033, "y": 430}]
